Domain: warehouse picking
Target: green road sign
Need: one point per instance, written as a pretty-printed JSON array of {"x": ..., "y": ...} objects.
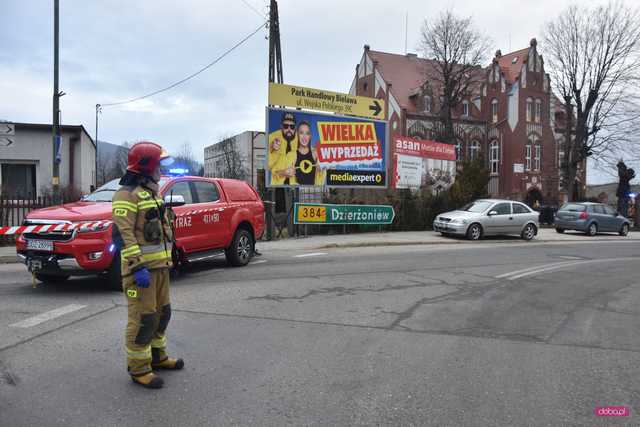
[{"x": 318, "y": 213}]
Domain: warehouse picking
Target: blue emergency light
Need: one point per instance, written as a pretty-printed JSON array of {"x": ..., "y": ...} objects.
[{"x": 178, "y": 171}]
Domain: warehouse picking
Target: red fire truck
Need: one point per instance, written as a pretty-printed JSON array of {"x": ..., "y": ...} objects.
[{"x": 211, "y": 216}]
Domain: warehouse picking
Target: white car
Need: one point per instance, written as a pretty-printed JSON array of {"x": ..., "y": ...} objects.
[{"x": 489, "y": 217}]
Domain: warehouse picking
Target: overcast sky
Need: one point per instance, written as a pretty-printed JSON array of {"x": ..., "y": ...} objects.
[{"x": 113, "y": 50}]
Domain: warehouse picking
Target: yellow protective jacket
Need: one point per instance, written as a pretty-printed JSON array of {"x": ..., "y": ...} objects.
[{"x": 143, "y": 226}]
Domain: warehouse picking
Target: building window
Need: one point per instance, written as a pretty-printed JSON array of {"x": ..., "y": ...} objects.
[
  {"x": 465, "y": 108},
  {"x": 427, "y": 104},
  {"x": 494, "y": 111},
  {"x": 538, "y": 110},
  {"x": 18, "y": 180},
  {"x": 537, "y": 159},
  {"x": 529, "y": 110},
  {"x": 494, "y": 157},
  {"x": 527, "y": 156},
  {"x": 474, "y": 150}
]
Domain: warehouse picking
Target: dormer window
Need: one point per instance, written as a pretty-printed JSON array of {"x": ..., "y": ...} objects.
[{"x": 426, "y": 104}]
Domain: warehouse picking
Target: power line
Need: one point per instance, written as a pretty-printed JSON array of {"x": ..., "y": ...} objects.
[
  {"x": 189, "y": 77},
  {"x": 250, "y": 6}
]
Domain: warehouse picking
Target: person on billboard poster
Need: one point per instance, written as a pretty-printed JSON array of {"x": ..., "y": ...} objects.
[
  {"x": 307, "y": 169},
  {"x": 281, "y": 143}
]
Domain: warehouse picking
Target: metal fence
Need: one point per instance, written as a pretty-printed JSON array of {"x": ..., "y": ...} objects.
[{"x": 13, "y": 211}]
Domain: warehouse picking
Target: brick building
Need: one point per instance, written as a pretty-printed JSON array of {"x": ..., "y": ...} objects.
[{"x": 512, "y": 120}]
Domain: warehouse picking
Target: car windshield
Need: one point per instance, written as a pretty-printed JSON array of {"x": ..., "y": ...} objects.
[
  {"x": 106, "y": 192},
  {"x": 572, "y": 207},
  {"x": 479, "y": 206}
]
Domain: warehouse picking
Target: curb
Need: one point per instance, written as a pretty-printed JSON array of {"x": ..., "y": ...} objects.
[{"x": 457, "y": 242}]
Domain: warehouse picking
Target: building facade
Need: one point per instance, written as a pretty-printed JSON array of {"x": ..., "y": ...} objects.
[
  {"x": 26, "y": 160},
  {"x": 511, "y": 119},
  {"x": 241, "y": 157}
]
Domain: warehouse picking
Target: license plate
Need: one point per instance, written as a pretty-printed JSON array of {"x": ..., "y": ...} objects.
[{"x": 40, "y": 245}]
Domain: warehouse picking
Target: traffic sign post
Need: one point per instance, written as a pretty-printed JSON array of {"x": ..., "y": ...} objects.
[
  {"x": 318, "y": 213},
  {"x": 324, "y": 100}
]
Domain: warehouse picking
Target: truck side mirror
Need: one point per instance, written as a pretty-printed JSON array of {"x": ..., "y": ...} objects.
[{"x": 174, "y": 200}]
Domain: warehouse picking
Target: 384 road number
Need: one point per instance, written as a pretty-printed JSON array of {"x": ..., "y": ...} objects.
[{"x": 312, "y": 214}]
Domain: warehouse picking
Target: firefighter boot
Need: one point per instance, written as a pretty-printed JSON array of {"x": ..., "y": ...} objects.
[
  {"x": 160, "y": 360},
  {"x": 148, "y": 380}
]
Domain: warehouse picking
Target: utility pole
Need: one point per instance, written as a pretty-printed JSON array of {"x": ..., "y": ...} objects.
[
  {"x": 55, "y": 179},
  {"x": 275, "y": 76}
]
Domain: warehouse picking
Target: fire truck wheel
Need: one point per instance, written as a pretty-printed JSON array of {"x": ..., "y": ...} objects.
[
  {"x": 47, "y": 278},
  {"x": 113, "y": 278},
  {"x": 241, "y": 249}
]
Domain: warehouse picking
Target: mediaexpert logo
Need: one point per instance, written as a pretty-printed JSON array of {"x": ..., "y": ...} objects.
[{"x": 612, "y": 411}]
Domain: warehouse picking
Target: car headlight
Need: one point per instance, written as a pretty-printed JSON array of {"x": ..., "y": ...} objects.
[{"x": 458, "y": 221}]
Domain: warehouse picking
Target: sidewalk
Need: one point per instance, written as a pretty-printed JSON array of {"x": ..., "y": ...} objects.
[
  {"x": 401, "y": 238},
  {"x": 397, "y": 238}
]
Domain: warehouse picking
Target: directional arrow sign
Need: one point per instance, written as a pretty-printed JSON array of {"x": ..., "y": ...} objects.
[
  {"x": 375, "y": 107},
  {"x": 323, "y": 100},
  {"x": 5, "y": 142},
  {"x": 7, "y": 129}
]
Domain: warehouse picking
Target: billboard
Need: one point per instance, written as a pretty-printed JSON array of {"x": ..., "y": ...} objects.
[
  {"x": 314, "y": 149},
  {"x": 423, "y": 163}
]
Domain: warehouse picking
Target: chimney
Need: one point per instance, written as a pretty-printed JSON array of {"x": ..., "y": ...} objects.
[{"x": 367, "y": 47}]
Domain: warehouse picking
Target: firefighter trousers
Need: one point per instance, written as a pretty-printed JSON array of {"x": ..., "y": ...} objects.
[{"x": 149, "y": 314}]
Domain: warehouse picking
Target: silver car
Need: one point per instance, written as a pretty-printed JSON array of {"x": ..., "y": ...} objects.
[{"x": 489, "y": 217}]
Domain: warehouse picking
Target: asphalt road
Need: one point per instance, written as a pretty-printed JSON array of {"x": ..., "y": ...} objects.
[{"x": 472, "y": 334}]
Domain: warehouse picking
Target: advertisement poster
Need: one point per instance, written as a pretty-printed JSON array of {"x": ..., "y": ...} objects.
[
  {"x": 313, "y": 149},
  {"x": 423, "y": 163}
]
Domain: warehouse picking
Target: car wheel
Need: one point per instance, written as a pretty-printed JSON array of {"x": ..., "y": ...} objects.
[
  {"x": 50, "y": 278},
  {"x": 593, "y": 229},
  {"x": 624, "y": 230},
  {"x": 113, "y": 278},
  {"x": 474, "y": 232},
  {"x": 529, "y": 232},
  {"x": 560, "y": 230},
  {"x": 241, "y": 249}
]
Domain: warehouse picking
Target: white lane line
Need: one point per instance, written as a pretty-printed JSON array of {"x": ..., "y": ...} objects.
[
  {"x": 262, "y": 261},
  {"x": 569, "y": 264},
  {"x": 46, "y": 316},
  {"x": 524, "y": 270},
  {"x": 311, "y": 254}
]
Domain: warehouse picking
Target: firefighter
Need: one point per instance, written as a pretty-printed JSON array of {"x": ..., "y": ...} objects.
[{"x": 143, "y": 234}]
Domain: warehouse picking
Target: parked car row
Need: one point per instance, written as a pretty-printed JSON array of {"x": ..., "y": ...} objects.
[{"x": 490, "y": 217}]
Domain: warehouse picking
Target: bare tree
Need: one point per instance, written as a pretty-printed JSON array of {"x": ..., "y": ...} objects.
[
  {"x": 594, "y": 60},
  {"x": 458, "y": 50},
  {"x": 185, "y": 158},
  {"x": 233, "y": 164}
]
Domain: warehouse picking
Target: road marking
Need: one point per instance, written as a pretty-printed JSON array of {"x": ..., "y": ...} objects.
[
  {"x": 262, "y": 261},
  {"x": 524, "y": 270},
  {"x": 46, "y": 316},
  {"x": 311, "y": 254},
  {"x": 549, "y": 267}
]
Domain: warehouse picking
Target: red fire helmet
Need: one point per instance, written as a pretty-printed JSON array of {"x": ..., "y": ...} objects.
[{"x": 144, "y": 157}]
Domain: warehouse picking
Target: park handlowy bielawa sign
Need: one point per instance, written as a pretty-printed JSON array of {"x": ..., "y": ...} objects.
[
  {"x": 324, "y": 100},
  {"x": 318, "y": 213},
  {"x": 318, "y": 149}
]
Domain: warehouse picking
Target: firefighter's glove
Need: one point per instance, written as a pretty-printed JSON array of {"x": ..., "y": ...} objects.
[{"x": 143, "y": 278}]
